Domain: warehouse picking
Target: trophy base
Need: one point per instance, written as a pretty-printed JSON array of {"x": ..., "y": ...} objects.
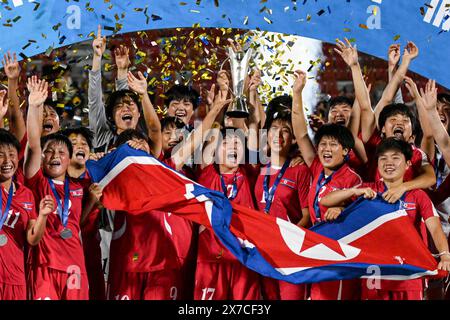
[{"x": 238, "y": 108}]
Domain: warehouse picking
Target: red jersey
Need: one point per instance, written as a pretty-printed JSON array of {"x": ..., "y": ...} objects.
[
  {"x": 419, "y": 208},
  {"x": 142, "y": 243},
  {"x": 418, "y": 160},
  {"x": 19, "y": 177},
  {"x": 22, "y": 210},
  {"x": 54, "y": 251},
  {"x": 291, "y": 195},
  {"x": 210, "y": 249},
  {"x": 343, "y": 178}
]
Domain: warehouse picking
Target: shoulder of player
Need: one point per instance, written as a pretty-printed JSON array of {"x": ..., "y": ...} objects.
[{"x": 348, "y": 175}]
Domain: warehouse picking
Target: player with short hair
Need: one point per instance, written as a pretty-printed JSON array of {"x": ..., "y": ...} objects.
[
  {"x": 394, "y": 157},
  {"x": 327, "y": 161},
  {"x": 281, "y": 190},
  {"x": 19, "y": 224},
  {"x": 57, "y": 265}
]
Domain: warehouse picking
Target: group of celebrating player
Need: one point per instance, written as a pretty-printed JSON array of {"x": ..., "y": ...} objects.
[{"x": 51, "y": 211}]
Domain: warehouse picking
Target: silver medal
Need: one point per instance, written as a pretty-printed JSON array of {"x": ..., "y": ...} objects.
[
  {"x": 66, "y": 233},
  {"x": 3, "y": 240}
]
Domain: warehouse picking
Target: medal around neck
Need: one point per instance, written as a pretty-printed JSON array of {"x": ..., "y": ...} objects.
[
  {"x": 66, "y": 233},
  {"x": 3, "y": 240}
]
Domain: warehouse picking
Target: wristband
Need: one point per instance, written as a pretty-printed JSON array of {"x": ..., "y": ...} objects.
[{"x": 443, "y": 253}]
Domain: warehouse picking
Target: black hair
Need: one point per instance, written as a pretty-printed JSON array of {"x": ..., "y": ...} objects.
[
  {"x": 83, "y": 131},
  {"x": 444, "y": 98},
  {"x": 128, "y": 135},
  {"x": 181, "y": 92},
  {"x": 8, "y": 139},
  {"x": 283, "y": 115},
  {"x": 395, "y": 109},
  {"x": 339, "y": 132},
  {"x": 114, "y": 97},
  {"x": 53, "y": 105},
  {"x": 395, "y": 144},
  {"x": 171, "y": 121},
  {"x": 279, "y": 104},
  {"x": 60, "y": 138},
  {"x": 339, "y": 100}
]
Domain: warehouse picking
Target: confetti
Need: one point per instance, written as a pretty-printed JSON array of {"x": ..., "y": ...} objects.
[
  {"x": 363, "y": 26},
  {"x": 155, "y": 17},
  {"x": 268, "y": 20},
  {"x": 396, "y": 37}
]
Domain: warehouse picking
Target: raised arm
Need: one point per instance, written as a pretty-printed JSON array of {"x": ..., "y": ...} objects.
[
  {"x": 195, "y": 139},
  {"x": 3, "y": 107},
  {"x": 410, "y": 53},
  {"x": 350, "y": 55},
  {"x": 122, "y": 57},
  {"x": 393, "y": 59},
  {"x": 38, "y": 93},
  {"x": 16, "y": 121},
  {"x": 152, "y": 122},
  {"x": 427, "y": 144},
  {"x": 429, "y": 95},
  {"x": 299, "y": 119},
  {"x": 97, "y": 117}
]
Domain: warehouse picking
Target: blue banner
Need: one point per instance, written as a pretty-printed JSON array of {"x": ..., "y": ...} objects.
[{"x": 32, "y": 26}]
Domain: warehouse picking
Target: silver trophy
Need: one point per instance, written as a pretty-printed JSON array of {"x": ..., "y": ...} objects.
[{"x": 239, "y": 64}]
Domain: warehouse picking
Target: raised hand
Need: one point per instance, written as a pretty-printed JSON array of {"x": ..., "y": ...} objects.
[
  {"x": 234, "y": 45},
  {"x": 411, "y": 51},
  {"x": 393, "y": 55},
  {"x": 429, "y": 95},
  {"x": 210, "y": 95},
  {"x": 46, "y": 206},
  {"x": 348, "y": 52},
  {"x": 412, "y": 87},
  {"x": 122, "y": 57},
  {"x": 300, "y": 81},
  {"x": 3, "y": 104},
  {"x": 255, "y": 80},
  {"x": 99, "y": 43},
  {"x": 12, "y": 69},
  {"x": 139, "y": 85},
  {"x": 38, "y": 91}
]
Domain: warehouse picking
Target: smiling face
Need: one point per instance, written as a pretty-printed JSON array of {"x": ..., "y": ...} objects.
[
  {"x": 9, "y": 161},
  {"x": 80, "y": 150},
  {"x": 231, "y": 151},
  {"x": 50, "y": 123},
  {"x": 340, "y": 114},
  {"x": 171, "y": 136},
  {"x": 280, "y": 137},
  {"x": 392, "y": 165},
  {"x": 398, "y": 126},
  {"x": 331, "y": 153},
  {"x": 55, "y": 159},
  {"x": 444, "y": 113},
  {"x": 125, "y": 114},
  {"x": 183, "y": 109}
]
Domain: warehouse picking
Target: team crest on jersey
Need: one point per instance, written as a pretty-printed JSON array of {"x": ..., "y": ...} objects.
[
  {"x": 27, "y": 206},
  {"x": 76, "y": 193},
  {"x": 288, "y": 183},
  {"x": 407, "y": 205}
]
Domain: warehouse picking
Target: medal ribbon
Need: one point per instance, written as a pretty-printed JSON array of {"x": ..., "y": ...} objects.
[
  {"x": 270, "y": 193},
  {"x": 63, "y": 212},
  {"x": 4, "y": 214}
]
